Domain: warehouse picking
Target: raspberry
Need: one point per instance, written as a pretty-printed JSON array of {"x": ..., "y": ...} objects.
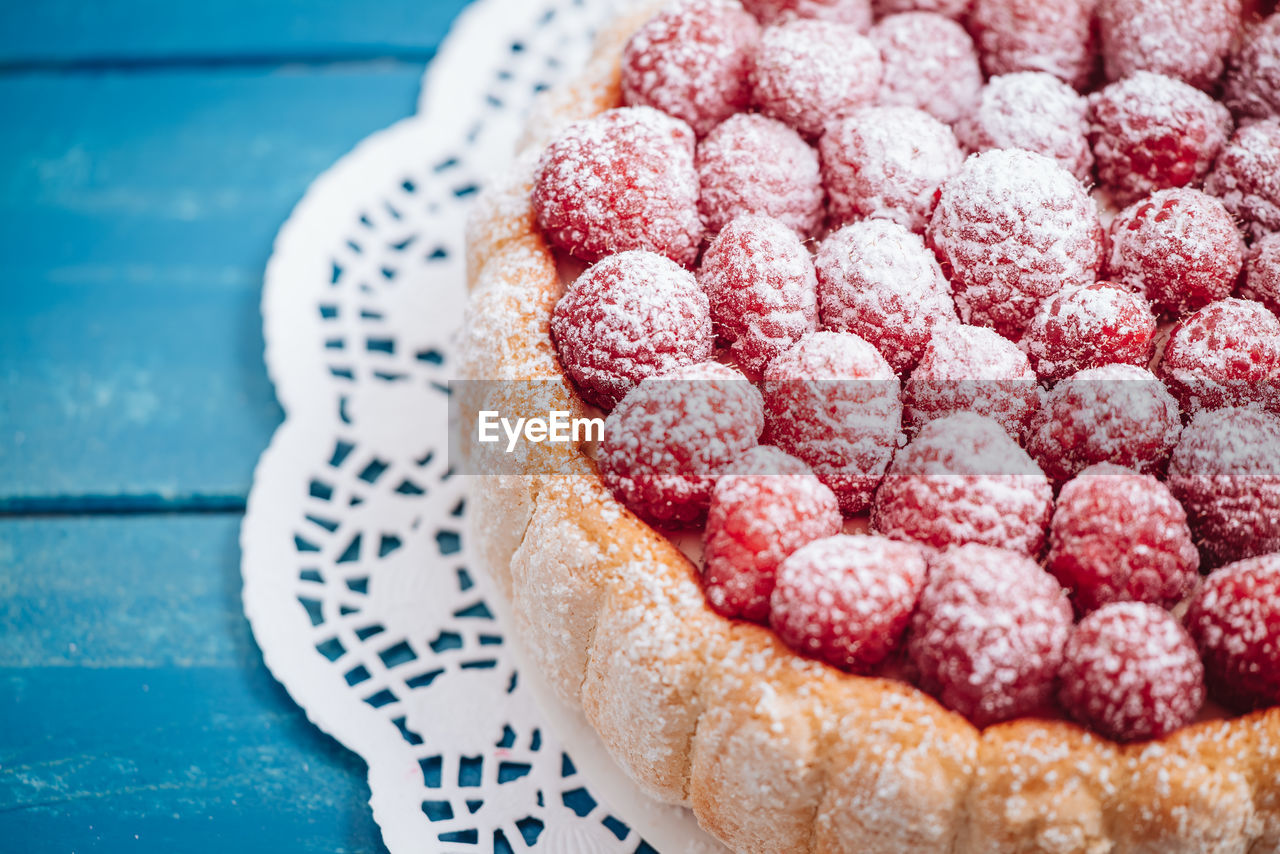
[
  {"x": 767, "y": 508},
  {"x": 809, "y": 73},
  {"x": 969, "y": 368},
  {"x": 668, "y": 438},
  {"x": 1012, "y": 228},
  {"x": 856, "y": 13},
  {"x": 1187, "y": 39},
  {"x": 1131, "y": 672},
  {"x": 756, "y": 165},
  {"x": 1226, "y": 472},
  {"x": 929, "y": 63},
  {"x": 977, "y": 652},
  {"x": 629, "y": 316},
  {"x": 1180, "y": 247},
  {"x": 879, "y": 281},
  {"x": 692, "y": 61},
  {"x": 760, "y": 281},
  {"x": 1253, "y": 82},
  {"x": 1120, "y": 536},
  {"x": 1034, "y": 111},
  {"x": 887, "y": 163},
  {"x": 1262, "y": 273},
  {"x": 846, "y": 600},
  {"x": 1054, "y": 36},
  {"x": 1112, "y": 414},
  {"x": 963, "y": 480},
  {"x": 1151, "y": 132},
  {"x": 622, "y": 180},
  {"x": 951, "y": 8},
  {"x": 1099, "y": 324},
  {"x": 1235, "y": 620},
  {"x": 832, "y": 401},
  {"x": 1247, "y": 178},
  {"x": 1226, "y": 354}
]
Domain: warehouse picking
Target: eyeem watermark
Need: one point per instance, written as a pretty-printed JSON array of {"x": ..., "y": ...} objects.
[{"x": 557, "y": 427}]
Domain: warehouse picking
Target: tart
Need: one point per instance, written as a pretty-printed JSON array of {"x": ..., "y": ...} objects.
[{"x": 772, "y": 745}]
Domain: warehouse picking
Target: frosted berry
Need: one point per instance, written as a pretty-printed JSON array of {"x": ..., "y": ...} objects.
[
  {"x": 1187, "y": 39},
  {"x": 832, "y": 400},
  {"x": 1262, "y": 273},
  {"x": 1130, "y": 671},
  {"x": 759, "y": 279},
  {"x": 672, "y": 434},
  {"x": 1226, "y": 472},
  {"x": 846, "y": 600},
  {"x": 1253, "y": 81},
  {"x": 629, "y": 316},
  {"x": 1120, "y": 536},
  {"x": 756, "y": 165},
  {"x": 1247, "y": 177},
  {"x": 988, "y": 633},
  {"x": 972, "y": 369},
  {"x": 1099, "y": 324},
  {"x": 622, "y": 180},
  {"x": 856, "y": 13},
  {"x": 929, "y": 63},
  {"x": 1235, "y": 620},
  {"x": 1034, "y": 111},
  {"x": 955, "y": 9},
  {"x": 810, "y": 73},
  {"x": 766, "y": 508},
  {"x": 1112, "y": 414},
  {"x": 1180, "y": 247},
  {"x": 1152, "y": 132},
  {"x": 1226, "y": 354},
  {"x": 887, "y": 163},
  {"x": 1012, "y": 228},
  {"x": 879, "y": 281},
  {"x": 963, "y": 480},
  {"x": 692, "y": 61},
  {"x": 1054, "y": 36}
]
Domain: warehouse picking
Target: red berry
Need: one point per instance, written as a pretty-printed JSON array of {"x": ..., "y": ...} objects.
[
  {"x": 832, "y": 401},
  {"x": 887, "y": 163},
  {"x": 1130, "y": 671},
  {"x": 1226, "y": 472},
  {"x": 1226, "y": 354},
  {"x": 1099, "y": 324},
  {"x": 756, "y": 165},
  {"x": 1262, "y": 273},
  {"x": 963, "y": 480},
  {"x": 1180, "y": 247},
  {"x": 629, "y": 316},
  {"x": 972, "y": 369},
  {"x": 810, "y": 73},
  {"x": 1035, "y": 35},
  {"x": 760, "y": 281},
  {"x": 1152, "y": 132},
  {"x": 1247, "y": 177},
  {"x": 1012, "y": 228},
  {"x": 1112, "y": 414},
  {"x": 1235, "y": 620},
  {"x": 622, "y": 180},
  {"x": 951, "y": 8},
  {"x": 1253, "y": 82},
  {"x": 1034, "y": 111},
  {"x": 929, "y": 63},
  {"x": 767, "y": 508},
  {"x": 691, "y": 61},
  {"x": 668, "y": 438},
  {"x": 846, "y": 600},
  {"x": 1120, "y": 536},
  {"x": 879, "y": 281},
  {"x": 988, "y": 633},
  {"x": 856, "y": 13},
  {"x": 1187, "y": 39}
]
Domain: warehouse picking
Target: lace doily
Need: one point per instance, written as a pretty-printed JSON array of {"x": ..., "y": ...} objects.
[{"x": 358, "y": 581}]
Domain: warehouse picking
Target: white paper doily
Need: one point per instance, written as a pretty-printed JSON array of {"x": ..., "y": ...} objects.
[{"x": 358, "y": 581}]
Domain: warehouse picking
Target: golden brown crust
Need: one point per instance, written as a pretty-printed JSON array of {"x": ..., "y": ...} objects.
[{"x": 771, "y": 751}]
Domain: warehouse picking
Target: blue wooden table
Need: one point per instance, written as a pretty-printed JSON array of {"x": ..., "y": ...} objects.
[{"x": 148, "y": 152}]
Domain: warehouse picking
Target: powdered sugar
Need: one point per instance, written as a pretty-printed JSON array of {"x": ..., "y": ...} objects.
[
  {"x": 1235, "y": 619},
  {"x": 1262, "y": 273},
  {"x": 855, "y": 13},
  {"x": 1187, "y": 39},
  {"x": 1053, "y": 36},
  {"x": 1226, "y": 354},
  {"x": 929, "y": 63},
  {"x": 1253, "y": 81},
  {"x": 1098, "y": 324},
  {"x": 1247, "y": 177}
]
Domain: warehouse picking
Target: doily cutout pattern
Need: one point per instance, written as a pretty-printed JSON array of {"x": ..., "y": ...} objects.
[{"x": 358, "y": 581}]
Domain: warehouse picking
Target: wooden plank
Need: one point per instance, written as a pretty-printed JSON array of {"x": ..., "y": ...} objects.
[
  {"x": 134, "y": 31},
  {"x": 138, "y": 212},
  {"x": 136, "y": 711}
]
